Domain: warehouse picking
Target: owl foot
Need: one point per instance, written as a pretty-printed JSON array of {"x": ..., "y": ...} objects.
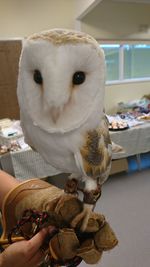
[
  {"x": 71, "y": 186},
  {"x": 91, "y": 197},
  {"x": 87, "y": 211},
  {"x": 82, "y": 219}
]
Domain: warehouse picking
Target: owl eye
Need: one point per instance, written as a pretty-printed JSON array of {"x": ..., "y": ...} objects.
[
  {"x": 78, "y": 77},
  {"x": 38, "y": 77}
]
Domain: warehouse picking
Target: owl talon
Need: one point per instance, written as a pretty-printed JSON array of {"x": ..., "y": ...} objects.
[
  {"x": 91, "y": 197},
  {"x": 71, "y": 186}
]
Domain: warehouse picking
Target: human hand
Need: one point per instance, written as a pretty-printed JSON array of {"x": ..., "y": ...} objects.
[{"x": 24, "y": 253}]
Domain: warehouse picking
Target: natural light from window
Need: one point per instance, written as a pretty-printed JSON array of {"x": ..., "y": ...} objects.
[{"x": 127, "y": 62}]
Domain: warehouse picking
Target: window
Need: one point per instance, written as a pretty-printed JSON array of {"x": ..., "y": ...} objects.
[{"x": 127, "y": 61}]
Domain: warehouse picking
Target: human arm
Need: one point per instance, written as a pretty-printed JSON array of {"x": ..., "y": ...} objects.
[
  {"x": 7, "y": 182},
  {"x": 26, "y": 253},
  {"x": 23, "y": 253}
]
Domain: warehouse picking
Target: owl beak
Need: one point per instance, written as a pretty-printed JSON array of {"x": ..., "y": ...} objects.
[{"x": 55, "y": 113}]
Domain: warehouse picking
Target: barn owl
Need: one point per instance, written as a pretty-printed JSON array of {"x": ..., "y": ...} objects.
[{"x": 61, "y": 97}]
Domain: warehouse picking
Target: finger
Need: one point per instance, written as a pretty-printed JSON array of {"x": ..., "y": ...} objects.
[
  {"x": 37, "y": 259},
  {"x": 51, "y": 229},
  {"x": 36, "y": 242}
]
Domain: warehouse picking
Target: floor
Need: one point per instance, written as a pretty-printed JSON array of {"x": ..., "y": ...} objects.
[{"x": 125, "y": 202}]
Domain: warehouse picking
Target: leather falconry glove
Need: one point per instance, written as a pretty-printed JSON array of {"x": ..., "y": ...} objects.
[{"x": 35, "y": 204}]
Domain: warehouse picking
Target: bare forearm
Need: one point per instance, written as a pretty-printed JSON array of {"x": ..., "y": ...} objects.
[{"x": 7, "y": 182}]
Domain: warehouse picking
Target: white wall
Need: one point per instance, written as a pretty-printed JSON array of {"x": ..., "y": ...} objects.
[
  {"x": 111, "y": 20},
  {"x": 83, "y": 7},
  {"x": 123, "y": 93},
  {"x": 19, "y": 18}
]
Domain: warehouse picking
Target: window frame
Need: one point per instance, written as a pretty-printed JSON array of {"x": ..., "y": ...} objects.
[{"x": 121, "y": 79}]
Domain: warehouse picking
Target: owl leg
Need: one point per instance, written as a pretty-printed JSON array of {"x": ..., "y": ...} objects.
[
  {"x": 92, "y": 193},
  {"x": 71, "y": 186}
]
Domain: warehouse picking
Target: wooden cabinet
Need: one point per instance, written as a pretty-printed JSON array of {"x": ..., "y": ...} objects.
[{"x": 9, "y": 59}]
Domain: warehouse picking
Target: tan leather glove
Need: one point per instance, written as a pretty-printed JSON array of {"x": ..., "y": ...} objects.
[{"x": 34, "y": 204}]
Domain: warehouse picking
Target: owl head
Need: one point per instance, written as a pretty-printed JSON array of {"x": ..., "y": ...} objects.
[{"x": 61, "y": 79}]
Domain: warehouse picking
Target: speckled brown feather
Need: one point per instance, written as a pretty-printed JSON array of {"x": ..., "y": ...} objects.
[
  {"x": 96, "y": 152},
  {"x": 64, "y": 36}
]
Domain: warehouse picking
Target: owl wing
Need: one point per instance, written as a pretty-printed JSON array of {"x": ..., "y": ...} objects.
[{"x": 96, "y": 152}]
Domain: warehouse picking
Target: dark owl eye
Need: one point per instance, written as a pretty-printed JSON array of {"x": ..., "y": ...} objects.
[
  {"x": 78, "y": 77},
  {"x": 38, "y": 77}
]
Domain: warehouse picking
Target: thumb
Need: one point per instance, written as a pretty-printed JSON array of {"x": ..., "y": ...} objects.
[{"x": 37, "y": 241}]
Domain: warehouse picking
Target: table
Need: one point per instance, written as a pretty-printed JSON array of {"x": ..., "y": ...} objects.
[
  {"x": 135, "y": 141},
  {"x": 26, "y": 164}
]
